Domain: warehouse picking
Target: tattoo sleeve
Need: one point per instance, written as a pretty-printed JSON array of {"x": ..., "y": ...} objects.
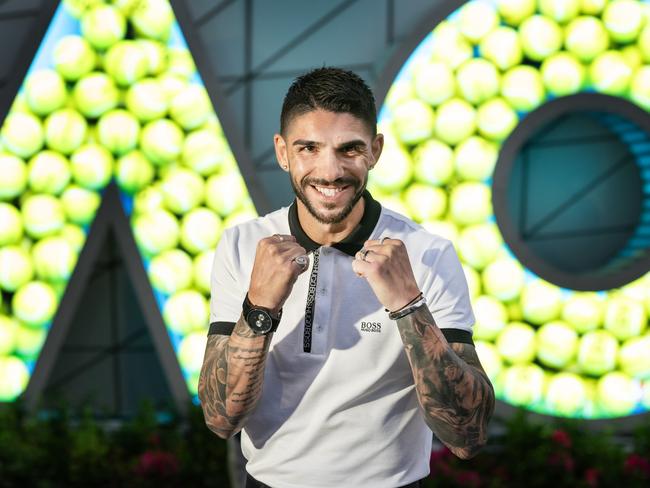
[
  {"x": 230, "y": 383},
  {"x": 454, "y": 391}
]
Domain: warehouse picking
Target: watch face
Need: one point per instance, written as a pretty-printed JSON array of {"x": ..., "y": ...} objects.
[{"x": 260, "y": 321}]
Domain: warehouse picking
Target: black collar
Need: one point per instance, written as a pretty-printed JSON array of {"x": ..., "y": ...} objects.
[{"x": 352, "y": 243}]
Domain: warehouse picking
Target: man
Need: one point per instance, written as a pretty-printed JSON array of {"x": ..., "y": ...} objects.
[{"x": 340, "y": 329}]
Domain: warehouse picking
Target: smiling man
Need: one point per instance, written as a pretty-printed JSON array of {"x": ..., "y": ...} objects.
[{"x": 340, "y": 332}]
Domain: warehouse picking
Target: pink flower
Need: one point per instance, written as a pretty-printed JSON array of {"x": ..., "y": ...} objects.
[
  {"x": 157, "y": 463},
  {"x": 562, "y": 460},
  {"x": 591, "y": 477},
  {"x": 561, "y": 438},
  {"x": 637, "y": 464}
]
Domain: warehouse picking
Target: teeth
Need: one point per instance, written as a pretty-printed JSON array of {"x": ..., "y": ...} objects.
[{"x": 328, "y": 192}]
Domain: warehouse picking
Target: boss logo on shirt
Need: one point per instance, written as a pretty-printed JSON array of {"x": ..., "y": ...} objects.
[{"x": 370, "y": 326}]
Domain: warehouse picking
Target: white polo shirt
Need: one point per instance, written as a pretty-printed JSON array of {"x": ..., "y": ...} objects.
[{"x": 338, "y": 404}]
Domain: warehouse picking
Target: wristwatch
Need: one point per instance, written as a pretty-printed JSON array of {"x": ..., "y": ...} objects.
[{"x": 260, "y": 319}]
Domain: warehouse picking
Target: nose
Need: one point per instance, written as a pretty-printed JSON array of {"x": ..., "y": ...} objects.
[{"x": 331, "y": 167}]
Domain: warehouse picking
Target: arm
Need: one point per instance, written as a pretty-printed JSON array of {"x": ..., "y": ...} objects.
[
  {"x": 454, "y": 391},
  {"x": 230, "y": 383}
]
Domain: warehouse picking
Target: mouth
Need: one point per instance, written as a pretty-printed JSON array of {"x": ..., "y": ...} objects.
[{"x": 330, "y": 192}]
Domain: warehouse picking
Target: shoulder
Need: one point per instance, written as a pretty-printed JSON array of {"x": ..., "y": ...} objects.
[{"x": 414, "y": 235}]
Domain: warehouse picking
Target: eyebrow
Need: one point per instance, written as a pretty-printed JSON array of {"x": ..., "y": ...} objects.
[{"x": 354, "y": 142}]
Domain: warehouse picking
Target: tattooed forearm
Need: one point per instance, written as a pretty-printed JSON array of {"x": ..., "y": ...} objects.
[
  {"x": 231, "y": 378},
  {"x": 454, "y": 391}
]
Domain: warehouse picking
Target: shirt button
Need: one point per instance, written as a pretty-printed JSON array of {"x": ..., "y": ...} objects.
[
  {"x": 319, "y": 328},
  {"x": 323, "y": 291}
]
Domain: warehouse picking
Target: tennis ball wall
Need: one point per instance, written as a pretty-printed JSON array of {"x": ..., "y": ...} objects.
[
  {"x": 119, "y": 98},
  {"x": 458, "y": 98}
]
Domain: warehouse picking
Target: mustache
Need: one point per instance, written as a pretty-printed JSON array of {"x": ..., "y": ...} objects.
[{"x": 343, "y": 181}]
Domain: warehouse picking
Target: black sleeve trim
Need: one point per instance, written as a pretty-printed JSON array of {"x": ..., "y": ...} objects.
[
  {"x": 224, "y": 328},
  {"x": 458, "y": 335}
]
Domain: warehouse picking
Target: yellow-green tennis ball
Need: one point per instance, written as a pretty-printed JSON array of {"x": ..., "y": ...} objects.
[
  {"x": 29, "y": 341},
  {"x": 126, "y": 62},
  {"x": 517, "y": 343},
  {"x": 632, "y": 56},
  {"x": 523, "y": 384},
  {"x": 200, "y": 230},
  {"x": 15, "y": 376},
  {"x": 586, "y": 37},
  {"x": 95, "y": 94},
  {"x": 22, "y": 134},
  {"x": 566, "y": 394},
  {"x": 433, "y": 82},
  {"x": 476, "y": 19},
  {"x": 75, "y": 236},
  {"x": 77, "y": 8},
  {"x": 540, "y": 37},
  {"x": 48, "y": 172},
  {"x": 43, "y": 215},
  {"x": 156, "y": 231},
  {"x": 643, "y": 42},
  {"x": 125, "y": 6},
  {"x": 639, "y": 88},
  {"x": 617, "y": 394},
  {"x": 171, "y": 271},
  {"x": 161, "y": 141},
  {"x": 74, "y": 57},
  {"x": 16, "y": 268},
  {"x": 54, "y": 259},
  {"x": 503, "y": 279},
  {"x": 633, "y": 357},
  {"x": 479, "y": 244},
  {"x": 80, "y": 204},
  {"x": 172, "y": 84},
  {"x": 191, "y": 107},
  {"x": 610, "y": 73},
  {"x": 182, "y": 190},
  {"x": 523, "y": 88},
  {"x": 34, "y": 303},
  {"x": 514, "y": 12},
  {"x": 205, "y": 151},
  {"x": 92, "y": 166},
  {"x": 491, "y": 317},
  {"x": 13, "y": 176},
  {"x": 449, "y": 45},
  {"x": 625, "y": 317},
  {"x": 8, "y": 328},
  {"x": 202, "y": 270},
  {"x": 490, "y": 359},
  {"x": 455, "y": 121},
  {"x": 495, "y": 119},
  {"x": 180, "y": 63},
  {"x": 402, "y": 90},
  {"x": 147, "y": 100},
  {"x": 502, "y": 47},
  {"x": 583, "y": 311},
  {"x": 225, "y": 193},
  {"x": 478, "y": 80},
  {"x": 425, "y": 202},
  {"x": 557, "y": 344},
  {"x": 413, "y": 121},
  {"x": 103, "y": 26},
  {"x": 65, "y": 130},
  {"x": 191, "y": 351},
  {"x": 473, "y": 281},
  {"x": 475, "y": 158},
  {"x": 156, "y": 55},
  {"x": 118, "y": 131},
  {"x": 148, "y": 199},
  {"x": 597, "y": 352},
  {"x": 153, "y": 19},
  {"x": 45, "y": 92},
  {"x": 563, "y": 74},
  {"x": 134, "y": 172},
  {"x": 561, "y": 11},
  {"x": 470, "y": 203},
  {"x": 11, "y": 224},
  {"x": 541, "y": 302},
  {"x": 186, "y": 311},
  {"x": 623, "y": 20},
  {"x": 433, "y": 162},
  {"x": 592, "y": 7}
]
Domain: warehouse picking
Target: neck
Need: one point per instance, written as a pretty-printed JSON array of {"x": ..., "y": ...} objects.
[{"x": 328, "y": 234}]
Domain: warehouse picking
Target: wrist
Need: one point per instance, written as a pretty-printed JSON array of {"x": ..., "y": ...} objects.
[{"x": 261, "y": 302}]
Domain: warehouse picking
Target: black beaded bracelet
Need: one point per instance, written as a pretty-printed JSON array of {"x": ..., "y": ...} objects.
[{"x": 407, "y": 310}]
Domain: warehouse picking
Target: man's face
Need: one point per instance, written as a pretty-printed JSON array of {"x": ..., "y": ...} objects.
[{"x": 328, "y": 156}]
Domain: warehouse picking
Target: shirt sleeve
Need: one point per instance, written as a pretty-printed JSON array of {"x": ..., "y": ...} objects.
[
  {"x": 447, "y": 293},
  {"x": 225, "y": 300}
]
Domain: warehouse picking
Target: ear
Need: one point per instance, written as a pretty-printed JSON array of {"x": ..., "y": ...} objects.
[
  {"x": 376, "y": 148},
  {"x": 281, "y": 151}
]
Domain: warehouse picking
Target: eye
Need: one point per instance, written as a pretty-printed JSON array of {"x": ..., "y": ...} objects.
[
  {"x": 310, "y": 148},
  {"x": 352, "y": 149}
]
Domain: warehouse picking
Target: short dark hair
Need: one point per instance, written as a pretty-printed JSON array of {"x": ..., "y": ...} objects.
[{"x": 332, "y": 89}]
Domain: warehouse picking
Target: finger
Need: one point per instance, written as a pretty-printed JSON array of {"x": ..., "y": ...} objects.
[
  {"x": 360, "y": 267},
  {"x": 301, "y": 262}
]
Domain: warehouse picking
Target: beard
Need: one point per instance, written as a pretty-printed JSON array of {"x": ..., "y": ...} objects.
[{"x": 334, "y": 218}]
